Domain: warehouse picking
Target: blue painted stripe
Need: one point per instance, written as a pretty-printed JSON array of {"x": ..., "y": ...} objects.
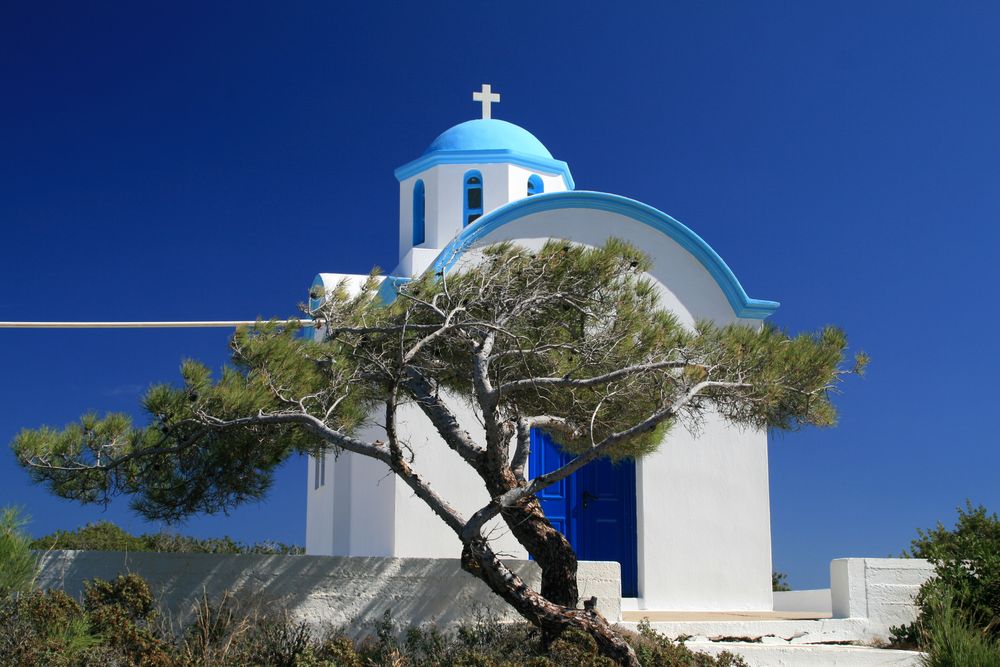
[
  {"x": 741, "y": 303},
  {"x": 424, "y": 162},
  {"x": 315, "y": 303},
  {"x": 390, "y": 287}
]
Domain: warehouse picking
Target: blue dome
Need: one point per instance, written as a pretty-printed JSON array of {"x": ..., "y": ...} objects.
[{"x": 488, "y": 134}]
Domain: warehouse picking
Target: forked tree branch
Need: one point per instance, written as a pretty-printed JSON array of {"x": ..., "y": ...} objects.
[
  {"x": 545, "y": 480},
  {"x": 442, "y": 418},
  {"x": 420, "y": 488}
]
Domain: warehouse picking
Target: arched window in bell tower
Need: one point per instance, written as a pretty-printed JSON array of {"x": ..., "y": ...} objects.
[
  {"x": 535, "y": 185},
  {"x": 418, "y": 213},
  {"x": 473, "y": 205}
]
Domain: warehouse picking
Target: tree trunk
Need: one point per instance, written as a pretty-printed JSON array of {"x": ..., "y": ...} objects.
[
  {"x": 479, "y": 560},
  {"x": 550, "y": 549}
]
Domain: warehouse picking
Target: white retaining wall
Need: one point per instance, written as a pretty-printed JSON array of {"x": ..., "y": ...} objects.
[
  {"x": 811, "y": 600},
  {"x": 868, "y": 596},
  {"x": 880, "y": 590},
  {"x": 322, "y": 590}
]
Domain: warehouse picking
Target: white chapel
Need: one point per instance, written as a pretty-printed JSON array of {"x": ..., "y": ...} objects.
[{"x": 690, "y": 523}]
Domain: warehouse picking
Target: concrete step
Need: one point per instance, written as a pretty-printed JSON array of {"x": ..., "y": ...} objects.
[{"x": 769, "y": 655}]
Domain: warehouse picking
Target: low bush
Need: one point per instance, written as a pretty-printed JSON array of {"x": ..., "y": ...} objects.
[
  {"x": 960, "y": 604},
  {"x": 106, "y": 536},
  {"x": 117, "y": 625},
  {"x": 779, "y": 582},
  {"x": 951, "y": 641},
  {"x": 966, "y": 570},
  {"x": 655, "y": 650},
  {"x": 50, "y": 628},
  {"x": 122, "y": 612}
]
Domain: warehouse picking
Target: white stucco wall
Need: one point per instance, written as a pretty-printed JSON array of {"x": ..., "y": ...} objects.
[
  {"x": 417, "y": 531},
  {"x": 319, "y": 501},
  {"x": 702, "y": 499},
  {"x": 370, "y": 512},
  {"x": 517, "y": 182},
  {"x": 880, "y": 590},
  {"x": 322, "y": 531},
  {"x": 322, "y": 591},
  {"x": 807, "y": 600},
  {"x": 705, "y": 541},
  {"x": 869, "y": 596},
  {"x": 686, "y": 287},
  {"x": 444, "y": 198}
]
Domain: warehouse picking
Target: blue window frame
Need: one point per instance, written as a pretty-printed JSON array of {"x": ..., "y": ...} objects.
[
  {"x": 418, "y": 213},
  {"x": 473, "y": 208},
  {"x": 535, "y": 185}
]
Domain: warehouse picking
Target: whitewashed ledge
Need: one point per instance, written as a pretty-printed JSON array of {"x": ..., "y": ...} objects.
[
  {"x": 321, "y": 590},
  {"x": 867, "y": 596},
  {"x": 764, "y": 655}
]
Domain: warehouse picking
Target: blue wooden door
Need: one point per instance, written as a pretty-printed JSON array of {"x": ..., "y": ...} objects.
[{"x": 594, "y": 508}]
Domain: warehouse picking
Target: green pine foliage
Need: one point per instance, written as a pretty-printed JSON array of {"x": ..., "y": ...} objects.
[
  {"x": 18, "y": 565},
  {"x": 569, "y": 337},
  {"x": 563, "y": 312},
  {"x": 779, "y": 582},
  {"x": 106, "y": 536}
]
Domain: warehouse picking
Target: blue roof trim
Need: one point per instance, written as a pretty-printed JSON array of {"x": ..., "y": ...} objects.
[
  {"x": 491, "y": 156},
  {"x": 741, "y": 303},
  {"x": 313, "y": 302},
  {"x": 390, "y": 287}
]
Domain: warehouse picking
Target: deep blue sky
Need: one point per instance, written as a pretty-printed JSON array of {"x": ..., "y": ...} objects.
[{"x": 186, "y": 161}]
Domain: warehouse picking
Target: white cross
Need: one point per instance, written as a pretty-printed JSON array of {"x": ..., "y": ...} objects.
[{"x": 487, "y": 97}]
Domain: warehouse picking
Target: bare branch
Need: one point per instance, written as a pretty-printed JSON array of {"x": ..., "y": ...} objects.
[
  {"x": 652, "y": 421},
  {"x": 597, "y": 379},
  {"x": 443, "y": 418}
]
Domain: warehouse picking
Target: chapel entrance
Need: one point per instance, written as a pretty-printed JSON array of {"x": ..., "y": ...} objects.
[{"x": 594, "y": 507}]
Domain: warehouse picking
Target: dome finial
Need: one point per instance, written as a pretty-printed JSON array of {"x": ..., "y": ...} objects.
[{"x": 487, "y": 97}]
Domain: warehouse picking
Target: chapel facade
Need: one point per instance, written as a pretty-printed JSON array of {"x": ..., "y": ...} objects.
[{"x": 689, "y": 523}]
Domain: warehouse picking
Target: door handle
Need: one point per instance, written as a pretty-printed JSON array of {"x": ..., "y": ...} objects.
[{"x": 587, "y": 497}]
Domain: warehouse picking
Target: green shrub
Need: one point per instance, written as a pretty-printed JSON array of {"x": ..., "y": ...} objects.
[
  {"x": 18, "y": 565},
  {"x": 122, "y": 612},
  {"x": 966, "y": 578},
  {"x": 577, "y": 648},
  {"x": 129, "y": 592},
  {"x": 952, "y": 642},
  {"x": 106, "y": 536},
  {"x": 655, "y": 650},
  {"x": 43, "y": 628},
  {"x": 906, "y": 637},
  {"x": 117, "y": 626},
  {"x": 275, "y": 640},
  {"x": 779, "y": 582},
  {"x": 114, "y": 626},
  {"x": 336, "y": 651},
  {"x": 975, "y": 524}
]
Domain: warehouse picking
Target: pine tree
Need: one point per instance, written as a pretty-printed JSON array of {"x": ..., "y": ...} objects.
[{"x": 567, "y": 338}]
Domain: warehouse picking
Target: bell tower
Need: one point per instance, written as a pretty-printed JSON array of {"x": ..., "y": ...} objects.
[{"x": 467, "y": 172}]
